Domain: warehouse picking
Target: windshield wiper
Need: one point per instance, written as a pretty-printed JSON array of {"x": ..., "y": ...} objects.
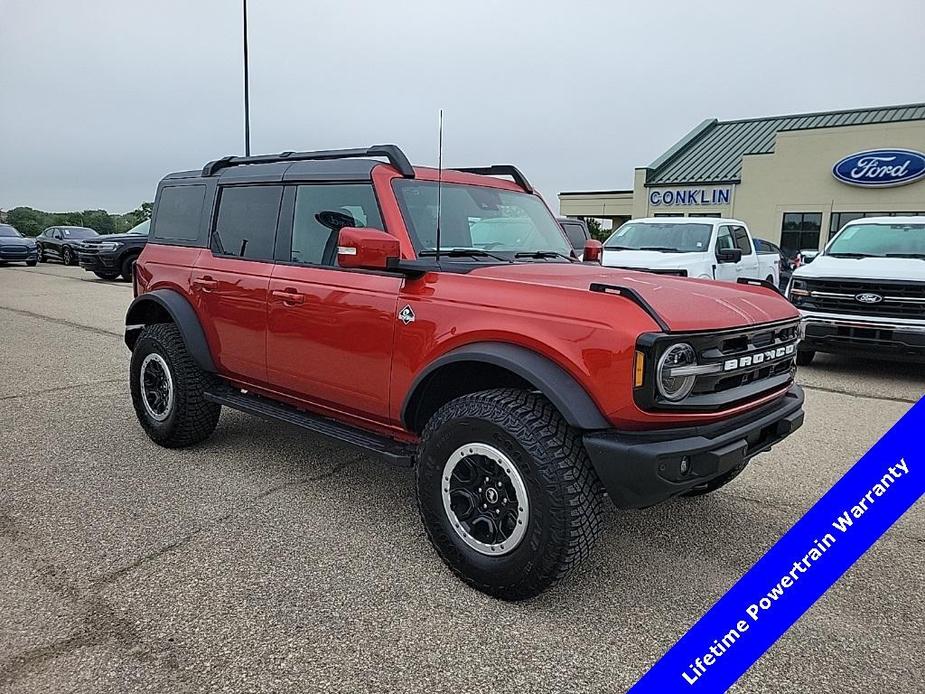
[
  {"x": 905, "y": 255},
  {"x": 463, "y": 253},
  {"x": 544, "y": 254},
  {"x": 854, "y": 255},
  {"x": 661, "y": 249},
  {"x": 619, "y": 248}
]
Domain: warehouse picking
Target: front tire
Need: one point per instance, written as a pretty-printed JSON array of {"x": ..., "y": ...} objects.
[
  {"x": 106, "y": 275},
  {"x": 128, "y": 267},
  {"x": 509, "y": 547},
  {"x": 67, "y": 256},
  {"x": 168, "y": 389},
  {"x": 30, "y": 263},
  {"x": 805, "y": 357}
]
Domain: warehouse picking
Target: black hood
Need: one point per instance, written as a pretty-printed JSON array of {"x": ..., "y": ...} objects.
[{"x": 123, "y": 238}]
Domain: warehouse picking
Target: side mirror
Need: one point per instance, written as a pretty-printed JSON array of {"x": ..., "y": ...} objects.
[
  {"x": 369, "y": 249},
  {"x": 729, "y": 255},
  {"x": 594, "y": 251}
]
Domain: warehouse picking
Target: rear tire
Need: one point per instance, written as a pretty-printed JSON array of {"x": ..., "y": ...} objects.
[
  {"x": 805, "y": 357},
  {"x": 168, "y": 389},
  {"x": 561, "y": 518}
]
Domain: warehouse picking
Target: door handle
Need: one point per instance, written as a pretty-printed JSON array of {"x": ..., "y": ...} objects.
[
  {"x": 288, "y": 296},
  {"x": 206, "y": 284}
]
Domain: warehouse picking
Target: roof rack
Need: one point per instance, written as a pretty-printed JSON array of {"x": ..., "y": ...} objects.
[
  {"x": 395, "y": 156},
  {"x": 499, "y": 170}
]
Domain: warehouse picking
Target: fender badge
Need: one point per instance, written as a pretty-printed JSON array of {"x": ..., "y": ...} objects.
[{"x": 406, "y": 315}]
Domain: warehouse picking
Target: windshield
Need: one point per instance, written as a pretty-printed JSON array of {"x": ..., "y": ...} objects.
[
  {"x": 883, "y": 240},
  {"x": 656, "y": 236},
  {"x": 8, "y": 231},
  {"x": 140, "y": 229},
  {"x": 77, "y": 232},
  {"x": 488, "y": 220}
]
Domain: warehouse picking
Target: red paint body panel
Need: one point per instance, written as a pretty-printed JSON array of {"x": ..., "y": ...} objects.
[{"x": 328, "y": 339}]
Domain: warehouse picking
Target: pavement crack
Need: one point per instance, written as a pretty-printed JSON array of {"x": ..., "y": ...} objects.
[
  {"x": 181, "y": 542},
  {"x": 866, "y": 396},
  {"x": 62, "y": 321},
  {"x": 59, "y": 389}
]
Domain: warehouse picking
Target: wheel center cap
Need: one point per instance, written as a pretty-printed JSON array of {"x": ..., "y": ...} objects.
[{"x": 491, "y": 495}]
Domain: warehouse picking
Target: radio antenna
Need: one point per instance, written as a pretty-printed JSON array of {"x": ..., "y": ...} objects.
[{"x": 439, "y": 180}]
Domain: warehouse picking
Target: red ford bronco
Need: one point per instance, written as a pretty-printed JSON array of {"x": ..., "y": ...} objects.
[{"x": 441, "y": 320}]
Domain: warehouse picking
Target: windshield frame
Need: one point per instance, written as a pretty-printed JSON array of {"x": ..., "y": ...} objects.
[
  {"x": 554, "y": 244},
  {"x": 612, "y": 243},
  {"x": 832, "y": 251}
]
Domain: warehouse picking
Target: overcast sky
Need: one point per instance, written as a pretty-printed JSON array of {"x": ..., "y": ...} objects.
[{"x": 101, "y": 98}]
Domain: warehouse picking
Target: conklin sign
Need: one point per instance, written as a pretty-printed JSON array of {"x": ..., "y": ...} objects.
[
  {"x": 879, "y": 168},
  {"x": 690, "y": 196}
]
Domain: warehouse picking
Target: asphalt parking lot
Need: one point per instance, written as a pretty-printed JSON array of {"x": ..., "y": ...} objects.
[{"x": 269, "y": 560}]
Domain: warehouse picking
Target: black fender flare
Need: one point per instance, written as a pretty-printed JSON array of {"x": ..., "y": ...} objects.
[
  {"x": 181, "y": 313},
  {"x": 565, "y": 393}
]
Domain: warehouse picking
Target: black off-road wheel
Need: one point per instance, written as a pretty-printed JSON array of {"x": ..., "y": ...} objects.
[
  {"x": 507, "y": 493},
  {"x": 805, "y": 357},
  {"x": 168, "y": 389}
]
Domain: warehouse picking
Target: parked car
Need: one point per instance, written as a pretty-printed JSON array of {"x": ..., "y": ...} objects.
[
  {"x": 865, "y": 293},
  {"x": 109, "y": 256},
  {"x": 317, "y": 289},
  {"x": 786, "y": 266},
  {"x": 576, "y": 230},
  {"x": 61, "y": 243},
  {"x": 705, "y": 247},
  {"x": 16, "y": 248}
]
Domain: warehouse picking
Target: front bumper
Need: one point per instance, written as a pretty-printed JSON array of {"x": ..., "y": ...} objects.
[
  {"x": 98, "y": 262},
  {"x": 18, "y": 254},
  {"x": 826, "y": 332},
  {"x": 639, "y": 469}
]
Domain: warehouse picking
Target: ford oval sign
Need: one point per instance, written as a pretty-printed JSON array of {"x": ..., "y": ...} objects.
[
  {"x": 868, "y": 298},
  {"x": 879, "y": 168}
]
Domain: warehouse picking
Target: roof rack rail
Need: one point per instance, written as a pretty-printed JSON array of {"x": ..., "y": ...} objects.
[
  {"x": 393, "y": 153},
  {"x": 499, "y": 170}
]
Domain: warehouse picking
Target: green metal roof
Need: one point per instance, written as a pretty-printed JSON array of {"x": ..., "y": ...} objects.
[{"x": 712, "y": 152}]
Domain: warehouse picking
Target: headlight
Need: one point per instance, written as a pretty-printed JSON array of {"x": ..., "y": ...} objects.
[
  {"x": 797, "y": 289},
  {"x": 109, "y": 246},
  {"x": 676, "y": 371}
]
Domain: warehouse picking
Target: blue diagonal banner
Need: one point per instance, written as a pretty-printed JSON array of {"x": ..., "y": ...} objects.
[{"x": 799, "y": 568}]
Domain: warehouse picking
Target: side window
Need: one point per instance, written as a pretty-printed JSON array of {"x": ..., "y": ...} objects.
[
  {"x": 741, "y": 239},
  {"x": 246, "y": 223},
  {"x": 178, "y": 213},
  {"x": 56, "y": 234},
  {"x": 321, "y": 211},
  {"x": 576, "y": 235},
  {"x": 724, "y": 238}
]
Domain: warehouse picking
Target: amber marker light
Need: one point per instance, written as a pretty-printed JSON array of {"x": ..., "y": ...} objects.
[{"x": 640, "y": 367}]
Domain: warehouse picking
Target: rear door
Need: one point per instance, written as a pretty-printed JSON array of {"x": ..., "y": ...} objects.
[
  {"x": 330, "y": 329},
  {"x": 230, "y": 279}
]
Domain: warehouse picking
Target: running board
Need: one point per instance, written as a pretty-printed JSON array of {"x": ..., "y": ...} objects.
[{"x": 391, "y": 452}]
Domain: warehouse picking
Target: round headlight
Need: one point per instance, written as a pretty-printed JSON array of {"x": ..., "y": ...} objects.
[{"x": 671, "y": 385}]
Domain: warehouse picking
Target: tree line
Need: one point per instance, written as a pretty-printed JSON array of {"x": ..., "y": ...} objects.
[{"x": 31, "y": 222}]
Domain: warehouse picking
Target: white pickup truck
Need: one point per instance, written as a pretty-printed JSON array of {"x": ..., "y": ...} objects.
[
  {"x": 705, "y": 247},
  {"x": 865, "y": 293}
]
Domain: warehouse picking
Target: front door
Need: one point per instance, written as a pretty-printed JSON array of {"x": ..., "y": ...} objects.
[
  {"x": 230, "y": 279},
  {"x": 724, "y": 271},
  {"x": 330, "y": 330}
]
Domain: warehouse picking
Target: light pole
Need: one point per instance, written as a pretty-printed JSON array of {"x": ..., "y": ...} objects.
[{"x": 247, "y": 108}]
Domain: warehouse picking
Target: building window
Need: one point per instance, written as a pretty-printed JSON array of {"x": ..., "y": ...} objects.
[
  {"x": 667, "y": 214},
  {"x": 704, "y": 214},
  {"x": 840, "y": 219},
  {"x": 800, "y": 231}
]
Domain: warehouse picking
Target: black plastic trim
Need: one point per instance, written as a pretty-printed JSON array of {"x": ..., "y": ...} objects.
[
  {"x": 393, "y": 153},
  {"x": 635, "y": 296},
  {"x": 499, "y": 170},
  {"x": 182, "y": 314},
  {"x": 565, "y": 393},
  {"x": 759, "y": 283}
]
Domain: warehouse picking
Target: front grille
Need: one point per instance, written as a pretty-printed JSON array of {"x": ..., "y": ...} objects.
[
  {"x": 899, "y": 299},
  {"x": 738, "y": 366},
  {"x": 17, "y": 251}
]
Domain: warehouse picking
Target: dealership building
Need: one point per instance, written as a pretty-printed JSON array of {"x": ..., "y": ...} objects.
[{"x": 795, "y": 180}]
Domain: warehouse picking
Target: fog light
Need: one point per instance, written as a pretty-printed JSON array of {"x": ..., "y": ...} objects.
[{"x": 685, "y": 465}]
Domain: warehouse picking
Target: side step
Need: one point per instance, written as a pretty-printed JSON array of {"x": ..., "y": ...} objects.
[{"x": 390, "y": 451}]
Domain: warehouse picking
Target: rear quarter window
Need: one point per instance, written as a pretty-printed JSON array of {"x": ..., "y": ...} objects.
[{"x": 178, "y": 215}]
